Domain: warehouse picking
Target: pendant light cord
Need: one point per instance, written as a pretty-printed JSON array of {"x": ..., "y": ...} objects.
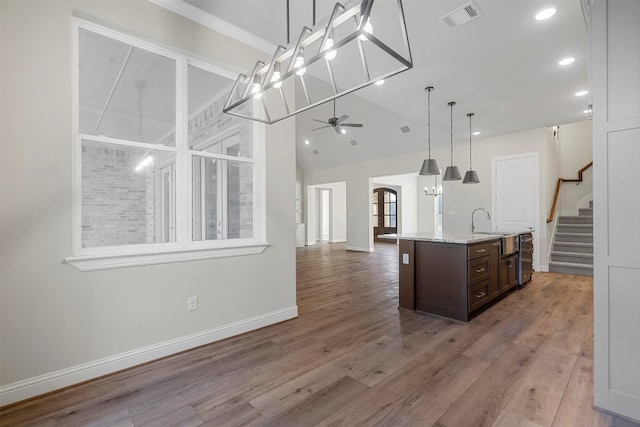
[
  {"x": 429, "y": 88},
  {"x": 470, "y": 115},
  {"x": 288, "y": 25},
  {"x": 451, "y": 104}
]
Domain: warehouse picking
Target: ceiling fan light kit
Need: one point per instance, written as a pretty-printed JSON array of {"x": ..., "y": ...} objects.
[
  {"x": 340, "y": 55},
  {"x": 337, "y": 123}
]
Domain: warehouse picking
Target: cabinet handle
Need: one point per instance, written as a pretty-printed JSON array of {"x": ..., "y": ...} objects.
[
  {"x": 479, "y": 270},
  {"x": 510, "y": 265},
  {"x": 480, "y": 250},
  {"x": 496, "y": 244},
  {"x": 480, "y": 295}
]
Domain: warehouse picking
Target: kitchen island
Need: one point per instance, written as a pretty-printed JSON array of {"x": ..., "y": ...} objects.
[{"x": 454, "y": 274}]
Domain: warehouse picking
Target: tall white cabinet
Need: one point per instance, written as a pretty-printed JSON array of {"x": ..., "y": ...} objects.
[{"x": 615, "y": 80}]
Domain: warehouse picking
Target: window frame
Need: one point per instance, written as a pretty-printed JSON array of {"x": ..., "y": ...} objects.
[{"x": 184, "y": 248}]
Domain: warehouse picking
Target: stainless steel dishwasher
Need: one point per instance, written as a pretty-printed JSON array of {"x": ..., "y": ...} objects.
[{"x": 525, "y": 259}]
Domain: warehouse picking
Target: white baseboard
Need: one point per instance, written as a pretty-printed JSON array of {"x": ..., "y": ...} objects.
[
  {"x": 358, "y": 249},
  {"x": 544, "y": 268},
  {"x": 337, "y": 241},
  {"x": 41, "y": 384}
]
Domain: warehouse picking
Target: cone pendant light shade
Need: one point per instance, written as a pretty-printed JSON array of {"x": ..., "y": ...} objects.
[
  {"x": 470, "y": 177},
  {"x": 429, "y": 166},
  {"x": 452, "y": 173}
]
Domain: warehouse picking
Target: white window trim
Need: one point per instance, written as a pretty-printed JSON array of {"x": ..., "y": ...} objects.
[{"x": 98, "y": 258}]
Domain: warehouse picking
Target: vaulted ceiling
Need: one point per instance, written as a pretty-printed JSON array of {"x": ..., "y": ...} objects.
[{"x": 503, "y": 67}]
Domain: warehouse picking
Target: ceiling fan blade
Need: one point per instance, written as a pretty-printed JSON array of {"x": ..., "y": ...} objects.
[
  {"x": 352, "y": 125},
  {"x": 321, "y": 127},
  {"x": 342, "y": 118},
  {"x": 337, "y": 129},
  {"x": 319, "y": 121}
]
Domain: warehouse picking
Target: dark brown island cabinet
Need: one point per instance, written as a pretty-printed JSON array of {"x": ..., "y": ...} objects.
[{"x": 454, "y": 280}]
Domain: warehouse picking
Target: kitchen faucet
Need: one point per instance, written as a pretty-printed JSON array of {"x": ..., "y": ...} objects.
[{"x": 473, "y": 227}]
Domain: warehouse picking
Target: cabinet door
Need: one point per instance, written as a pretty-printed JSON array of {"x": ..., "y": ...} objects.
[{"x": 508, "y": 273}]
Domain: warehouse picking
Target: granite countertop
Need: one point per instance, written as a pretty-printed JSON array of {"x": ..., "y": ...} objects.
[{"x": 444, "y": 237}]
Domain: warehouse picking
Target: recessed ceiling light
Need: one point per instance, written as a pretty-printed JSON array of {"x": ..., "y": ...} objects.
[
  {"x": 379, "y": 82},
  {"x": 476, "y": 133},
  {"x": 567, "y": 61},
  {"x": 306, "y": 141},
  {"x": 546, "y": 13},
  {"x": 581, "y": 93}
]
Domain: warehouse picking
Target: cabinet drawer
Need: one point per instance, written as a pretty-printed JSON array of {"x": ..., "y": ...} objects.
[
  {"x": 478, "y": 295},
  {"x": 479, "y": 250},
  {"x": 479, "y": 270}
]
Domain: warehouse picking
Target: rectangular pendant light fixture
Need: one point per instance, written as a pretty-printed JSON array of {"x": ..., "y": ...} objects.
[{"x": 360, "y": 43}]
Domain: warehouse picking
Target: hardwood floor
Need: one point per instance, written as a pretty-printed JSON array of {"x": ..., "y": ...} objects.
[{"x": 353, "y": 358}]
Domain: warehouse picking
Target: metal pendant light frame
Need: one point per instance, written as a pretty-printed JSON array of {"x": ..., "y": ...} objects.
[
  {"x": 452, "y": 173},
  {"x": 470, "y": 176},
  {"x": 429, "y": 165},
  {"x": 277, "y": 103}
]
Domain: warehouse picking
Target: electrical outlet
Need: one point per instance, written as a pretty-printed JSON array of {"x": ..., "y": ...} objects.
[{"x": 192, "y": 303}]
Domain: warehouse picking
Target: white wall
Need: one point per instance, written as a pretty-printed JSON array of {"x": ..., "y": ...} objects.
[
  {"x": 576, "y": 149},
  {"x": 575, "y": 143},
  {"x": 60, "y": 325},
  {"x": 300, "y": 196},
  {"x": 426, "y": 205}
]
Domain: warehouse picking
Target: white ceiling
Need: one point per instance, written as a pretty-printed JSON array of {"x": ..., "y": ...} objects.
[{"x": 502, "y": 67}]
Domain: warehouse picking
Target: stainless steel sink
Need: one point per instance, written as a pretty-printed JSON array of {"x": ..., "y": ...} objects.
[{"x": 510, "y": 244}]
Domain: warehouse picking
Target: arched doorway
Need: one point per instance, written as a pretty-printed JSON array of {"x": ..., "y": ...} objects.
[{"x": 385, "y": 212}]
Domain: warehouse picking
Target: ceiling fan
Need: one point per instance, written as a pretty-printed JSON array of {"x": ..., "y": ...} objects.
[{"x": 337, "y": 123}]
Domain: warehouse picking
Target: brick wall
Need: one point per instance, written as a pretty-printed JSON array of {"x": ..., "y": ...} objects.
[
  {"x": 119, "y": 205},
  {"x": 114, "y": 197}
]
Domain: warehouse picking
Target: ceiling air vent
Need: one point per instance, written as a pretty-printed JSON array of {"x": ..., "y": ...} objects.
[
  {"x": 353, "y": 142},
  {"x": 405, "y": 129},
  {"x": 316, "y": 152},
  {"x": 465, "y": 13}
]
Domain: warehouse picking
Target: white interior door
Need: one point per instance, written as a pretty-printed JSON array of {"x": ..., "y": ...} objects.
[
  {"x": 615, "y": 71},
  {"x": 515, "y": 191}
]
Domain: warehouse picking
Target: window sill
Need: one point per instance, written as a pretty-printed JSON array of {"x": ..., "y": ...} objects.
[{"x": 103, "y": 262}]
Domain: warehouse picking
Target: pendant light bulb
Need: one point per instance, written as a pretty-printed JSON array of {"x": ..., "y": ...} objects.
[
  {"x": 470, "y": 176},
  {"x": 429, "y": 166},
  {"x": 299, "y": 62},
  {"x": 328, "y": 44},
  {"x": 368, "y": 28},
  {"x": 451, "y": 173},
  {"x": 255, "y": 87},
  {"x": 276, "y": 76}
]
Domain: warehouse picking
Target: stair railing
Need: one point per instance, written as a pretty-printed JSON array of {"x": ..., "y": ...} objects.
[{"x": 556, "y": 194}]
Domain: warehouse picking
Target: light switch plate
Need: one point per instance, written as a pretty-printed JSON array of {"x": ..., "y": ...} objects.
[{"x": 405, "y": 258}]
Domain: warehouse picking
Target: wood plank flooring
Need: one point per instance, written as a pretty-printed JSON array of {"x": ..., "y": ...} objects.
[{"x": 353, "y": 358}]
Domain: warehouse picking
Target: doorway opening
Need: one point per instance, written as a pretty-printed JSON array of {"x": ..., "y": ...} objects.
[{"x": 385, "y": 212}]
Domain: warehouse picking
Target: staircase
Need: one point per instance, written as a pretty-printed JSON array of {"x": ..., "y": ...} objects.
[{"x": 572, "y": 251}]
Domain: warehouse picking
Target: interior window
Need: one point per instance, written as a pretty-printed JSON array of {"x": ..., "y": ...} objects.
[{"x": 130, "y": 137}]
